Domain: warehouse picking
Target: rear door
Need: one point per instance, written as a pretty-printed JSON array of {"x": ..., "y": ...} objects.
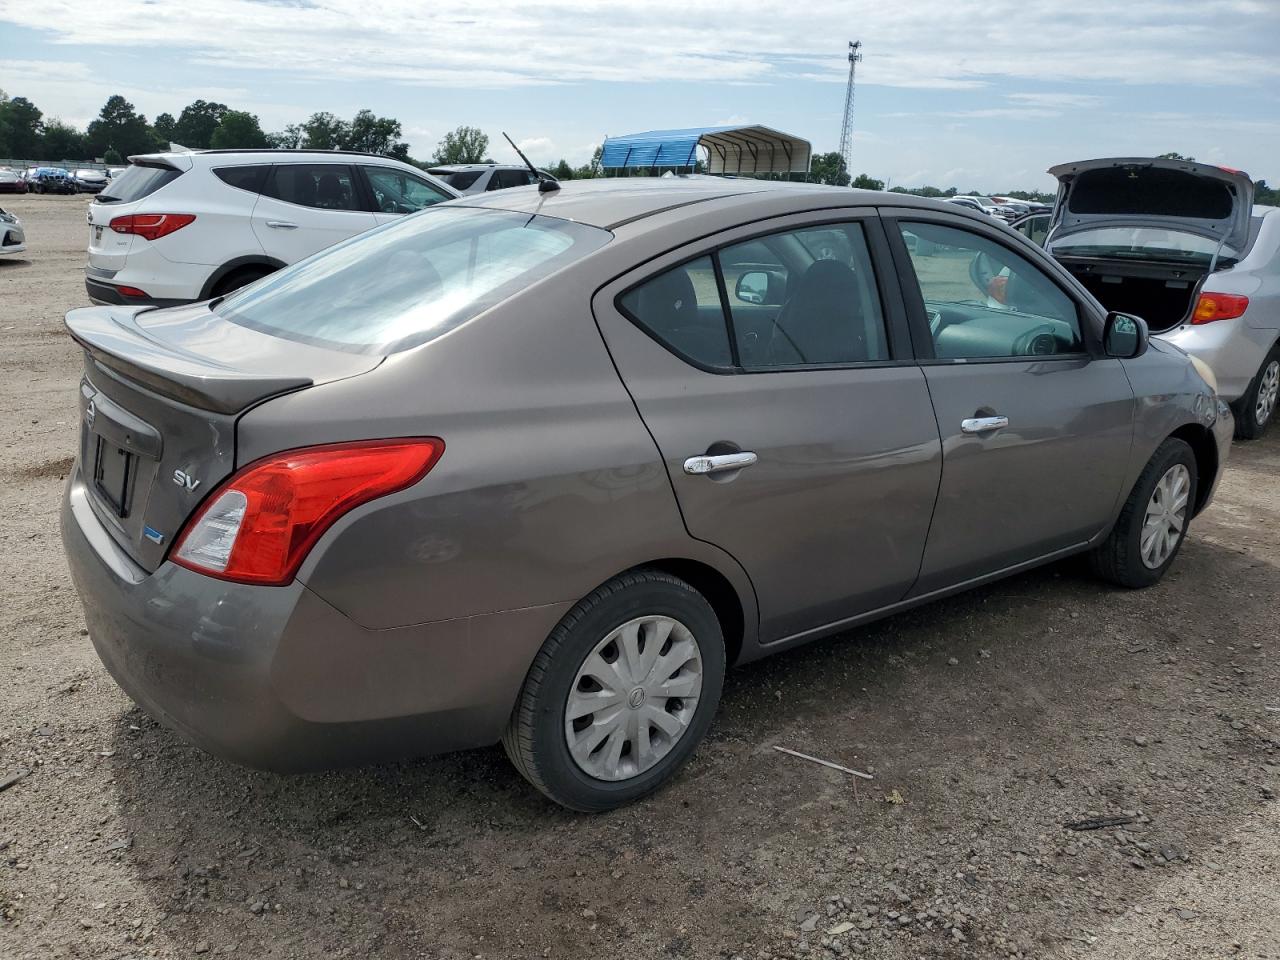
[
  {"x": 1036, "y": 424},
  {"x": 306, "y": 207},
  {"x": 797, "y": 437}
]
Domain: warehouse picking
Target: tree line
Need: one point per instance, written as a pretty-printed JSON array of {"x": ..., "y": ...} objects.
[{"x": 119, "y": 131}]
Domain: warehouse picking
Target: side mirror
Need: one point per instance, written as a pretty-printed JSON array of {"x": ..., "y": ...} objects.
[
  {"x": 759, "y": 287},
  {"x": 1125, "y": 336}
]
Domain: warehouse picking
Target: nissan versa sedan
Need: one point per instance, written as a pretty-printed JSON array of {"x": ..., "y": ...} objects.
[{"x": 538, "y": 466}]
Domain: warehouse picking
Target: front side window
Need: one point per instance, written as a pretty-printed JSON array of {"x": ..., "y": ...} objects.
[
  {"x": 984, "y": 301},
  {"x": 680, "y": 308},
  {"x": 325, "y": 186},
  {"x": 411, "y": 280},
  {"x": 395, "y": 191},
  {"x": 805, "y": 297}
]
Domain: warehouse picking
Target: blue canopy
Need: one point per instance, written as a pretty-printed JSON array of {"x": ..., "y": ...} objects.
[{"x": 729, "y": 150}]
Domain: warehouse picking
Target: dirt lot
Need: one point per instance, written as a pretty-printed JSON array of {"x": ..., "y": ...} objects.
[{"x": 989, "y": 721}]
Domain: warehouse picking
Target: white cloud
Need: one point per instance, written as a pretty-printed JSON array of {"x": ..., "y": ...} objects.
[{"x": 923, "y": 44}]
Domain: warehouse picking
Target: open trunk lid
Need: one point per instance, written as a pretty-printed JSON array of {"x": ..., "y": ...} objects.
[
  {"x": 159, "y": 399},
  {"x": 1180, "y": 195}
]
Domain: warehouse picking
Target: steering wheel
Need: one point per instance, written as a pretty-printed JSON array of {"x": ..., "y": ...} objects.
[
  {"x": 984, "y": 268},
  {"x": 389, "y": 206}
]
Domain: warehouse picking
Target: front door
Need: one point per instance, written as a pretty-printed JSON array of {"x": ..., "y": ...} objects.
[
  {"x": 1036, "y": 424},
  {"x": 794, "y": 424},
  {"x": 305, "y": 207}
]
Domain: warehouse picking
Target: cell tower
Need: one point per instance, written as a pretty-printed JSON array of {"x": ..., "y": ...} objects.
[{"x": 846, "y": 129}]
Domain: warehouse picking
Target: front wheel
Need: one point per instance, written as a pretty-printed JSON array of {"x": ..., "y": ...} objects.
[
  {"x": 1255, "y": 410},
  {"x": 1153, "y": 521},
  {"x": 620, "y": 694}
]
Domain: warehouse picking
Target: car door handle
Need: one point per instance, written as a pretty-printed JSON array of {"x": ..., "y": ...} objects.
[
  {"x": 983, "y": 424},
  {"x": 282, "y": 225},
  {"x": 720, "y": 463}
]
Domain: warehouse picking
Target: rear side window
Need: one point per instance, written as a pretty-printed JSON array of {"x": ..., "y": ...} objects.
[
  {"x": 460, "y": 179},
  {"x": 244, "y": 178},
  {"x": 412, "y": 280},
  {"x": 325, "y": 186},
  {"x": 136, "y": 182},
  {"x": 680, "y": 308}
]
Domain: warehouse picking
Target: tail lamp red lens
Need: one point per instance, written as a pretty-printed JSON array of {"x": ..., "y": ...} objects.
[
  {"x": 1219, "y": 306},
  {"x": 151, "y": 226},
  {"x": 260, "y": 524}
]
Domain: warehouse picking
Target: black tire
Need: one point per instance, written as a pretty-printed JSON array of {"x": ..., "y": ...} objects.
[
  {"x": 1248, "y": 425},
  {"x": 1119, "y": 557},
  {"x": 535, "y": 736},
  {"x": 236, "y": 279}
]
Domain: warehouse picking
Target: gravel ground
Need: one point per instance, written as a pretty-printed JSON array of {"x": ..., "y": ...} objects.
[{"x": 989, "y": 721}]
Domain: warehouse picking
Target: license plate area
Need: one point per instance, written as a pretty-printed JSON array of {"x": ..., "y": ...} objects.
[{"x": 113, "y": 471}]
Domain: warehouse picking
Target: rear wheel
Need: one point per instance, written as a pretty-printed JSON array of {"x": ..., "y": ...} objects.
[
  {"x": 236, "y": 279},
  {"x": 620, "y": 694},
  {"x": 1153, "y": 521},
  {"x": 1255, "y": 410}
]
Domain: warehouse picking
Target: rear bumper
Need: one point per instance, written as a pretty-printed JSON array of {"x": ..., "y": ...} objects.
[
  {"x": 275, "y": 678},
  {"x": 1233, "y": 350},
  {"x": 103, "y": 293}
]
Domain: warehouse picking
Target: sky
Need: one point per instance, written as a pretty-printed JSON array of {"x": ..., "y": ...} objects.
[{"x": 950, "y": 92}]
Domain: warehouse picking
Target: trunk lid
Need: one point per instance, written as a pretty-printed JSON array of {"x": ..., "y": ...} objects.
[
  {"x": 159, "y": 400},
  {"x": 1163, "y": 194}
]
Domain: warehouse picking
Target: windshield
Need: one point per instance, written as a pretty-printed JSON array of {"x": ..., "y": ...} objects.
[
  {"x": 412, "y": 280},
  {"x": 1143, "y": 243},
  {"x": 136, "y": 182}
]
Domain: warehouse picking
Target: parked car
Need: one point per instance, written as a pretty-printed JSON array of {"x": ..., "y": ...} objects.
[
  {"x": 539, "y": 466},
  {"x": 12, "y": 238},
  {"x": 89, "y": 180},
  {"x": 113, "y": 172},
  {"x": 482, "y": 177},
  {"x": 11, "y": 182},
  {"x": 981, "y": 204},
  {"x": 1182, "y": 245},
  {"x": 50, "y": 180},
  {"x": 180, "y": 227}
]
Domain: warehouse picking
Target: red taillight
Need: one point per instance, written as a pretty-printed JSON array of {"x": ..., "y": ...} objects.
[
  {"x": 1219, "y": 306},
  {"x": 131, "y": 291},
  {"x": 260, "y": 524},
  {"x": 151, "y": 226}
]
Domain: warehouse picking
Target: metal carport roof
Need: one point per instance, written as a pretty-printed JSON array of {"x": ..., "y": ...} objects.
[{"x": 730, "y": 150}]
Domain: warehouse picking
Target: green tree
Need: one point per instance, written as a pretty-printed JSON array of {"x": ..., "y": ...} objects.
[
  {"x": 590, "y": 170},
  {"x": 62, "y": 141},
  {"x": 112, "y": 157},
  {"x": 165, "y": 128},
  {"x": 829, "y": 168},
  {"x": 324, "y": 131},
  {"x": 865, "y": 181},
  {"x": 562, "y": 170},
  {"x": 290, "y": 138},
  {"x": 1176, "y": 156},
  {"x": 121, "y": 128},
  {"x": 21, "y": 126},
  {"x": 463, "y": 145},
  {"x": 1269, "y": 196},
  {"x": 238, "y": 130},
  {"x": 374, "y": 134},
  {"x": 197, "y": 123}
]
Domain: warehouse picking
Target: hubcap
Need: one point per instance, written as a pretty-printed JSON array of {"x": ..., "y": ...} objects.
[
  {"x": 1268, "y": 389},
  {"x": 1166, "y": 516},
  {"x": 633, "y": 698}
]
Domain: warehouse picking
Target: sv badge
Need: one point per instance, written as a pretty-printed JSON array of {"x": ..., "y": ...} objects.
[{"x": 185, "y": 480}]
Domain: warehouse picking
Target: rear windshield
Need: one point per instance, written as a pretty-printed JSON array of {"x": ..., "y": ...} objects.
[
  {"x": 411, "y": 280},
  {"x": 137, "y": 182},
  {"x": 459, "y": 180},
  {"x": 1141, "y": 243},
  {"x": 1150, "y": 191}
]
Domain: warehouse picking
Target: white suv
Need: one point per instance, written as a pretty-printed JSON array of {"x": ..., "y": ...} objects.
[{"x": 182, "y": 227}]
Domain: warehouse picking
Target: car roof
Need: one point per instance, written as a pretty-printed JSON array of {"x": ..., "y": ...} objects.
[
  {"x": 467, "y": 167},
  {"x": 270, "y": 154},
  {"x": 614, "y": 201}
]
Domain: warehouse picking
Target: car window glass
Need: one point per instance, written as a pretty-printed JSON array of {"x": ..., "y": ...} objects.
[
  {"x": 680, "y": 308},
  {"x": 805, "y": 297},
  {"x": 136, "y": 182},
  {"x": 243, "y": 178},
  {"x": 459, "y": 179},
  {"x": 325, "y": 186},
  {"x": 395, "y": 191},
  {"x": 1035, "y": 228},
  {"x": 985, "y": 301}
]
